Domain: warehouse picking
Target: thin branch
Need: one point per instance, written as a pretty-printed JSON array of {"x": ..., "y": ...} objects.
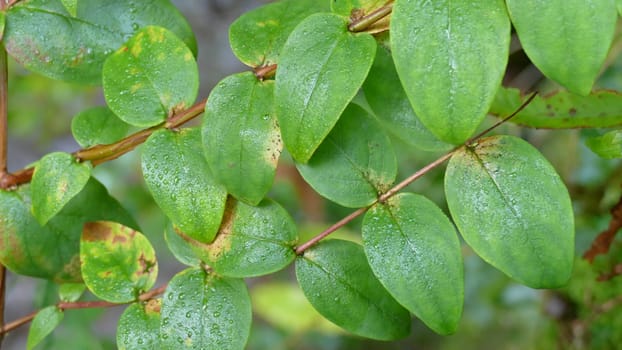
[
  {"x": 102, "y": 153},
  {"x": 63, "y": 305},
  {"x": 603, "y": 241},
  {"x": 361, "y": 24},
  {"x": 397, "y": 188},
  {"x": 4, "y": 129}
]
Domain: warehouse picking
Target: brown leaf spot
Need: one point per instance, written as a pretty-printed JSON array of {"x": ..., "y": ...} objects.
[
  {"x": 96, "y": 231},
  {"x": 153, "y": 306},
  {"x": 572, "y": 112}
]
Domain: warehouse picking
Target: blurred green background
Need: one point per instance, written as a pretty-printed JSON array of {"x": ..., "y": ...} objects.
[{"x": 498, "y": 313}]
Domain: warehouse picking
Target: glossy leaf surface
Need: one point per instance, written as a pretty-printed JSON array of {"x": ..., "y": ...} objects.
[
  {"x": 345, "y": 7},
  {"x": 321, "y": 68},
  {"x": 204, "y": 311},
  {"x": 608, "y": 145},
  {"x": 180, "y": 248},
  {"x": 258, "y": 36},
  {"x": 337, "y": 280},
  {"x": 58, "y": 177},
  {"x": 386, "y": 97},
  {"x": 354, "y": 163},
  {"x": 251, "y": 241},
  {"x": 52, "y": 251},
  {"x": 561, "y": 110},
  {"x": 180, "y": 181},
  {"x": 512, "y": 208},
  {"x": 450, "y": 56},
  {"x": 139, "y": 326},
  {"x": 37, "y": 29},
  {"x": 151, "y": 76},
  {"x": 118, "y": 263},
  {"x": 97, "y": 125},
  {"x": 44, "y": 323},
  {"x": 242, "y": 140},
  {"x": 71, "y": 291},
  {"x": 559, "y": 48},
  {"x": 414, "y": 250}
]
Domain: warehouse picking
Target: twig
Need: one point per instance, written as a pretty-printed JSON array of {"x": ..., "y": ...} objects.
[
  {"x": 63, "y": 305},
  {"x": 361, "y": 24},
  {"x": 4, "y": 84},
  {"x": 395, "y": 189},
  {"x": 102, "y": 153},
  {"x": 603, "y": 241}
]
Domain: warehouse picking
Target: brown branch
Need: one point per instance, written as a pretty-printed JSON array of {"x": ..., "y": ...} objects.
[
  {"x": 102, "y": 153},
  {"x": 4, "y": 87},
  {"x": 64, "y": 305},
  {"x": 603, "y": 241},
  {"x": 367, "y": 21}
]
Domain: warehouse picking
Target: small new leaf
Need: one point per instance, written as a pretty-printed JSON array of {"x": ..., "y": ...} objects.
[{"x": 43, "y": 324}]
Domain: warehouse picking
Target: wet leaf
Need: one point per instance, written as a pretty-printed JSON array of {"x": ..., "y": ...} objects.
[
  {"x": 58, "y": 177},
  {"x": 97, "y": 125},
  {"x": 52, "y": 251},
  {"x": 205, "y": 311},
  {"x": 558, "y": 48},
  {"x": 118, "y": 263},
  {"x": 258, "y": 36},
  {"x": 414, "y": 250},
  {"x": 242, "y": 139},
  {"x": 36, "y": 29},
  {"x": 386, "y": 97},
  {"x": 355, "y": 162},
  {"x": 180, "y": 248},
  {"x": 139, "y": 326},
  {"x": 512, "y": 208},
  {"x": 608, "y": 145},
  {"x": 345, "y": 7},
  {"x": 152, "y": 76},
  {"x": 181, "y": 183},
  {"x": 46, "y": 320},
  {"x": 335, "y": 277},
  {"x": 321, "y": 68},
  {"x": 251, "y": 241},
  {"x": 561, "y": 110},
  {"x": 451, "y": 57}
]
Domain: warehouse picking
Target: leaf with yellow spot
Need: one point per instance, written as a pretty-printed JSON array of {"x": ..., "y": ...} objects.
[
  {"x": 252, "y": 240},
  {"x": 118, "y": 263},
  {"x": 150, "y": 77},
  {"x": 57, "y": 179},
  {"x": 242, "y": 140},
  {"x": 257, "y": 36}
]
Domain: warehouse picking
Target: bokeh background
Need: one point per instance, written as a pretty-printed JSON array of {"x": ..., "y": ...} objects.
[{"x": 498, "y": 313}]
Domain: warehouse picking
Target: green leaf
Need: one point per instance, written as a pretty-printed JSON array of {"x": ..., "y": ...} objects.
[
  {"x": 258, "y": 36},
  {"x": 180, "y": 248},
  {"x": 118, "y": 263},
  {"x": 139, "y": 326},
  {"x": 284, "y": 305},
  {"x": 71, "y": 6},
  {"x": 608, "y": 145},
  {"x": 386, "y": 97},
  {"x": 47, "y": 38},
  {"x": 321, "y": 68},
  {"x": 242, "y": 140},
  {"x": 181, "y": 183},
  {"x": 619, "y": 2},
  {"x": 252, "y": 240},
  {"x": 151, "y": 76},
  {"x": 43, "y": 324},
  {"x": 413, "y": 249},
  {"x": 451, "y": 57},
  {"x": 52, "y": 251},
  {"x": 345, "y": 7},
  {"x": 97, "y": 125},
  {"x": 58, "y": 177},
  {"x": 71, "y": 292},
  {"x": 561, "y": 110},
  {"x": 335, "y": 277},
  {"x": 513, "y": 210},
  {"x": 205, "y": 311},
  {"x": 559, "y": 48},
  {"x": 354, "y": 163}
]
